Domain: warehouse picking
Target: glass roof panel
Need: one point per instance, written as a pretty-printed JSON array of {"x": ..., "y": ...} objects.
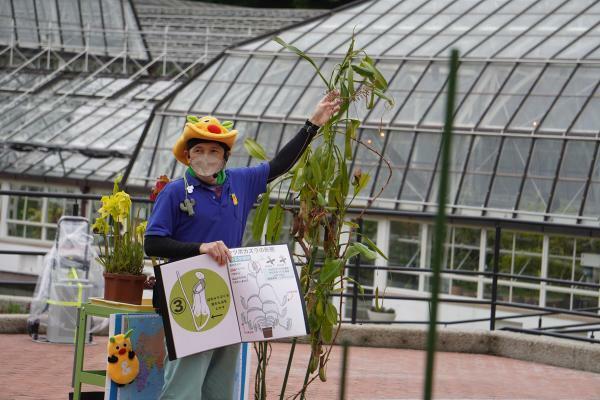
[
  {"x": 460, "y": 150},
  {"x": 479, "y": 171},
  {"x": 589, "y": 119},
  {"x": 509, "y": 173},
  {"x": 421, "y": 167},
  {"x": 26, "y": 28},
  {"x": 540, "y": 176},
  {"x": 592, "y": 201}
]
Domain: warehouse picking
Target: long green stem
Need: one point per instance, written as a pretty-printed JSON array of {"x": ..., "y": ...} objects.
[
  {"x": 440, "y": 226},
  {"x": 287, "y": 369}
]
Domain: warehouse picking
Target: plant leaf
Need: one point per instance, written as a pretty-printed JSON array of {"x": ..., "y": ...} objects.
[
  {"x": 330, "y": 270},
  {"x": 362, "y": 182},
  {"x": 254, "y": 149},
  {"x": 359, "y": 248},
  {"x": 258, "y": 223},
  {"x": 373, "y": 246},
  {"x": 303, "y": 55},
  {"x": 275, "y": 223},
  {"x": 331, "y": 314}
]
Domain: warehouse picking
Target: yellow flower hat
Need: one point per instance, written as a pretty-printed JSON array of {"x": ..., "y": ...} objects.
[{"x": 207, "y": 128}]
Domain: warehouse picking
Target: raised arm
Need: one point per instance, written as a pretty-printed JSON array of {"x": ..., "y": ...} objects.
[{"x": 293, "y": 150}]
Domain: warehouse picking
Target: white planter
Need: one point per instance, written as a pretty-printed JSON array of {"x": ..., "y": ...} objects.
[{"x": 381, "y": 316}]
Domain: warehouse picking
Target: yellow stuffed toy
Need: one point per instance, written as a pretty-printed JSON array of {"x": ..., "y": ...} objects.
[{"x": 123, "y": 364}]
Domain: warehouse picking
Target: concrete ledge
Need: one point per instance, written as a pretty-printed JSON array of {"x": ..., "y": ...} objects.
[
  {"x": 539, "y": 349},
  {"x": 13, "y": 323}
]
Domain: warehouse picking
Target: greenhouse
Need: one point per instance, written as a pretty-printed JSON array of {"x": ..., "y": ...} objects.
[{"x": 525, "y": 149}]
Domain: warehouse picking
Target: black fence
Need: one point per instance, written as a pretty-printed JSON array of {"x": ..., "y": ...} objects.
[{"x": 574, "y": 331}]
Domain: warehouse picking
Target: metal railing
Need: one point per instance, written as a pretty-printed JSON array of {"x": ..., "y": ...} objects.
[{"x": 567, "y": 330}]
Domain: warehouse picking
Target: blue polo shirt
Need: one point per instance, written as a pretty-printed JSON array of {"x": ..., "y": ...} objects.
[{"x": 214, "y": 218}]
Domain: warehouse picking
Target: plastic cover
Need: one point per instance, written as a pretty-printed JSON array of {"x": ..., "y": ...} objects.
[{"x": 71, "y": 274}]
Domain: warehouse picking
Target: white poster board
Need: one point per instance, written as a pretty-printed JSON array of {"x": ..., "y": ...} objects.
[{"x": 256, "y": 297}]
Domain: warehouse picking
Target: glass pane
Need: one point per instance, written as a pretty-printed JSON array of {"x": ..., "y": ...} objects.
[
  {"x": 509, "y": 173},
  {"x": 560, "y": 257},
  {"x": 253, "y": 70},
  {"x": 460, "y": 149},
  {"x": 25, "y": 23},
  {"x": 562, "y": 113},
  {"x": 92, "y": 24},
  {"x": 71, "y": 24},
  {"x": 572, "y": 177},
  {"x": 235, "y": 97},
  {"x": 531, "y": 112},
  {"x": 479, "y": 170},
  {"x": 278, "y": 71},
  {"x": 404, "y": 251},
  {"x": 114, "y": 25},
  {"x": 422, "y": 164},
  {"x": 541, "y": 173},
  {"x": 589, "y": 120},
  {"x": 525, "y": 296},
  {"x": 396, "y": 152},
  {"x": 269, "y": 136}
]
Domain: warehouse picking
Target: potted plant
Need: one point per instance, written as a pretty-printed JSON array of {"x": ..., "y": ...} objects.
[
  {"x": 121, "y": 248},
  {"x": 378, "y": 312}
]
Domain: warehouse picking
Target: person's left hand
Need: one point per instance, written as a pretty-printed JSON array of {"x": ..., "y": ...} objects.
[{"x": 326, "y": 108}]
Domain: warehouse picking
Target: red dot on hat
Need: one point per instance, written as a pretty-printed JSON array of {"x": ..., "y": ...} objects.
[{"x": 213, "y": 129}]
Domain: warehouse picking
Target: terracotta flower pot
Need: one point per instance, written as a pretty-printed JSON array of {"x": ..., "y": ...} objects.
[{"x": 124, "y": 288}]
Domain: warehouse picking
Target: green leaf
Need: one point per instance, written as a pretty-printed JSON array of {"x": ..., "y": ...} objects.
[
  {"x": 380, "y": 94},
  {"x": 254, "y": 149},
  {"x": 351, "y": 127},
  {"x": 303, "y": 55},
  {"x": 373, "y": 246},
  {"x": 332, "y": 314},
  {"x": 330, "y": 270},
  {"x": 331, "y": 198},
  {"x": 192, "y": 119},
  {"x": 378, "y": 79},
  {"x": 298, "y": 180},
  {"x": 363, "y": 71},
  {"x": 227, "y": 125},
  {"x": 258, "y": 223},
  {"x": 275, "y": 223},
  {"x": 371, "y": 101},
  {"x": 362, "y": 250},
  {"x": 362, "y": 182},
  {"x": 321, "y": 200},
  {"x": 313, "y": 322},
  {"x": 327, "y": 331},
  {"x": 350, "y": 79}
]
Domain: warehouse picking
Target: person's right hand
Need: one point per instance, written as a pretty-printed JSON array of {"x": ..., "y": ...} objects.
[{"x": 217, "y": 250}]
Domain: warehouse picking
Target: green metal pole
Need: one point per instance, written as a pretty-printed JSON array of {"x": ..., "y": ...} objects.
[
  {"x": 344, "y": 371},
  {"x": 440, "y": 225}
]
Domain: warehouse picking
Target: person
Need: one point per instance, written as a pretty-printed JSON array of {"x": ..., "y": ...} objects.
[{"x": 205, "y": 212}]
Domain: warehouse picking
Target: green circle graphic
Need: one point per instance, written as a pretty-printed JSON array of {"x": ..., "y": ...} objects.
[{"x": 215, "y": 299}]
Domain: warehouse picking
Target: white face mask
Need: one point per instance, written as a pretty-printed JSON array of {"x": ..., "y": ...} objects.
[{"x": 207, "y": 165}]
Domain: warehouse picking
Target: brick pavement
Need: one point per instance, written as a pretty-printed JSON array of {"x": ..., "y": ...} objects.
[{"x": 43, "y": 372}]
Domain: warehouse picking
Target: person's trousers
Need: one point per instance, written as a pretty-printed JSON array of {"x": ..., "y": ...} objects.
[{"x": 205, "y": 376}]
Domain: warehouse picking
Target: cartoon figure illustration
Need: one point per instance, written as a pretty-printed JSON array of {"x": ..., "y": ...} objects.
[
  {"x": 123, "y": 364},
  {"x": 199, "y": 306},
  {"x": 264, "y": 310}
]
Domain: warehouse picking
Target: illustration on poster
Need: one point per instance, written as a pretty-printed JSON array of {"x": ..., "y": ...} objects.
[{"x": 264, "y": 310}]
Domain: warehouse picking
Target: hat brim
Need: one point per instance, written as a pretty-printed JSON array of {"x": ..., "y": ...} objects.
[{"x": 192, "y": 132}]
